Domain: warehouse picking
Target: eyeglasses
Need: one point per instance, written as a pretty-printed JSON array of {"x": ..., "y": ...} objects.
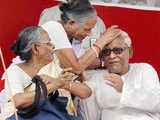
[
  {"x": 47, "y": 43},
  {"x": 117, "y": 51}
]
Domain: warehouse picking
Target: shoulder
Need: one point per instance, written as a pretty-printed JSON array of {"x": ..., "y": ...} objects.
[
  {"x": 51, "y": 9},
  {"x": 13, "y": 69},
  {"x": 143, "y": 67},
  {"x": 145, "y": 71},
  {"x": 99, "y": 20}
]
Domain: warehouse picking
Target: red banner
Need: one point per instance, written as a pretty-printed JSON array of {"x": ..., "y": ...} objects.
[{"x": 142, "y": 24}]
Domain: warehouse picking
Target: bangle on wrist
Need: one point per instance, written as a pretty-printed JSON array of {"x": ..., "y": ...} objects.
[{"x": 68, "y": 86}]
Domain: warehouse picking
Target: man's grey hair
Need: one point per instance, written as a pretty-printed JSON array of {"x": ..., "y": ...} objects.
[{"x": 126, "y": 38}]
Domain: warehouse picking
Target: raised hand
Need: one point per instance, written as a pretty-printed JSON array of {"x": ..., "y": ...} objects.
[{"x": 109, "y": 35}]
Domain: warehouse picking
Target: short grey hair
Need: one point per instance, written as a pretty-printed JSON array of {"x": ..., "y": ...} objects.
[{"x": 126, "y": 38}]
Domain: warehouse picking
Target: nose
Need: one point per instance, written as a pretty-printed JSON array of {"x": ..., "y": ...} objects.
[{"x": 112, "y": 55}]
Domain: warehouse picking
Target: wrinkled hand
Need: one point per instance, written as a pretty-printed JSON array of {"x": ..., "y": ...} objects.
[
  {"x": 115, "y": 81},
  {"x": 110, "y": 34},
  {"x": 59, "y": 82},
  {"x": 66, "y": 75},
  {"x": 49, "y": 82}
]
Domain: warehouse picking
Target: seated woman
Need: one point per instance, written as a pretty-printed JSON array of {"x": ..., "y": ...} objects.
[{"x": 35, "y": 48}]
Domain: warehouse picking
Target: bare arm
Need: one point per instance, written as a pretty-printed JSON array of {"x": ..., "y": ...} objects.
[
  {"x": 27, "y": 98},
  {"x": 68, "y": 58},
  {"x": 79, "y": 89}
]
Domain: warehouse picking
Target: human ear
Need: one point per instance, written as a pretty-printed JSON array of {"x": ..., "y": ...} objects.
[{"x": 35, "y": 49}]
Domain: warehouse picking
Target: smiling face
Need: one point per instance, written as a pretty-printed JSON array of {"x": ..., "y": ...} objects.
[
  {"x": 118, "y": 63},
  {"x": 45, "y": 49}
]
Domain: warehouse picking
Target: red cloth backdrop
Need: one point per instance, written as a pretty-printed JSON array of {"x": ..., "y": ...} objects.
[{"x": 142, "y": 25}]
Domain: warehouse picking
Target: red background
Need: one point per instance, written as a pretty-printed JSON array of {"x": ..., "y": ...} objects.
[{"x": 143, "y": 26}]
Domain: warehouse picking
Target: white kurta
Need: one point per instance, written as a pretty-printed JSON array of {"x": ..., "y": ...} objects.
[{"x": 139, "y": 100}]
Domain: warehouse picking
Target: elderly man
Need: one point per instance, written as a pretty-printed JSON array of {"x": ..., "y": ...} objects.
[{"x": 124, "y": 91}]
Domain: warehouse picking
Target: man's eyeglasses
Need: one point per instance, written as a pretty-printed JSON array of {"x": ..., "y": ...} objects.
[{"x": 107, "y": 52}]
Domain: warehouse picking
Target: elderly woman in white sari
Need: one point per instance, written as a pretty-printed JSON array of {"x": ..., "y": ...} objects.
[
  {"x": 77, "y": 20},
  {"x": 124, "y": 91},
  {"x": 35, "y": 48}
]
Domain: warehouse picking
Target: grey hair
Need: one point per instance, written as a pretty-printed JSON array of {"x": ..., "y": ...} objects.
[
  {"x": 78, "y": 10},
  {"x": 33, "y": 38},
  {"x": 23, "y": 45},
  {"x": 126, "y": 38},
  {"x": 80, "y": 18}
]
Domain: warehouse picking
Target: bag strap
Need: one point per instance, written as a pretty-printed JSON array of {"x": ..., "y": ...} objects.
[{"x": 32, "y": 110}]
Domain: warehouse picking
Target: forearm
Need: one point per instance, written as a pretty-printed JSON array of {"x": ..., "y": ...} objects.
[
  {"x": 79, "y": 89},
  {"x": 25, "y": 99},
  {"x": 68, "y": 58}
]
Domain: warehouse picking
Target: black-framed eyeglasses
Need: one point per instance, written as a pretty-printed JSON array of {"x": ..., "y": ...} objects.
[{"x": 117, "y": 51}]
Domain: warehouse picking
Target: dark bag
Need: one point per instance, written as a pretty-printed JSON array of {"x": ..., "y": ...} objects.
[{"x": 52, "y": 107}]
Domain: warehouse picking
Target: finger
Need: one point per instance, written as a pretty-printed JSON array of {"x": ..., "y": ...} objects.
[
  {"x": 66, "y": 70},
  {"x": 66, "y": 80},
  {"x": 114, "y": 26},
  {"x": 110, "y": 78},
  {"x": 109, "y": 83},
  {"x": 68, "y": 74}
]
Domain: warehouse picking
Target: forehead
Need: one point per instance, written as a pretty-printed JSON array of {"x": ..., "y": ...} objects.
[
  {"x": 45, "y": 36},
  {"x": 116, "y": 43},
  {"x": 90, "y": 22}
]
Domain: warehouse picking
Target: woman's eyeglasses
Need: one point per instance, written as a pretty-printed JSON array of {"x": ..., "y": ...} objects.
[
  {"x": 107, "y": 52},
  {"x": 49, "y": 43}
]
